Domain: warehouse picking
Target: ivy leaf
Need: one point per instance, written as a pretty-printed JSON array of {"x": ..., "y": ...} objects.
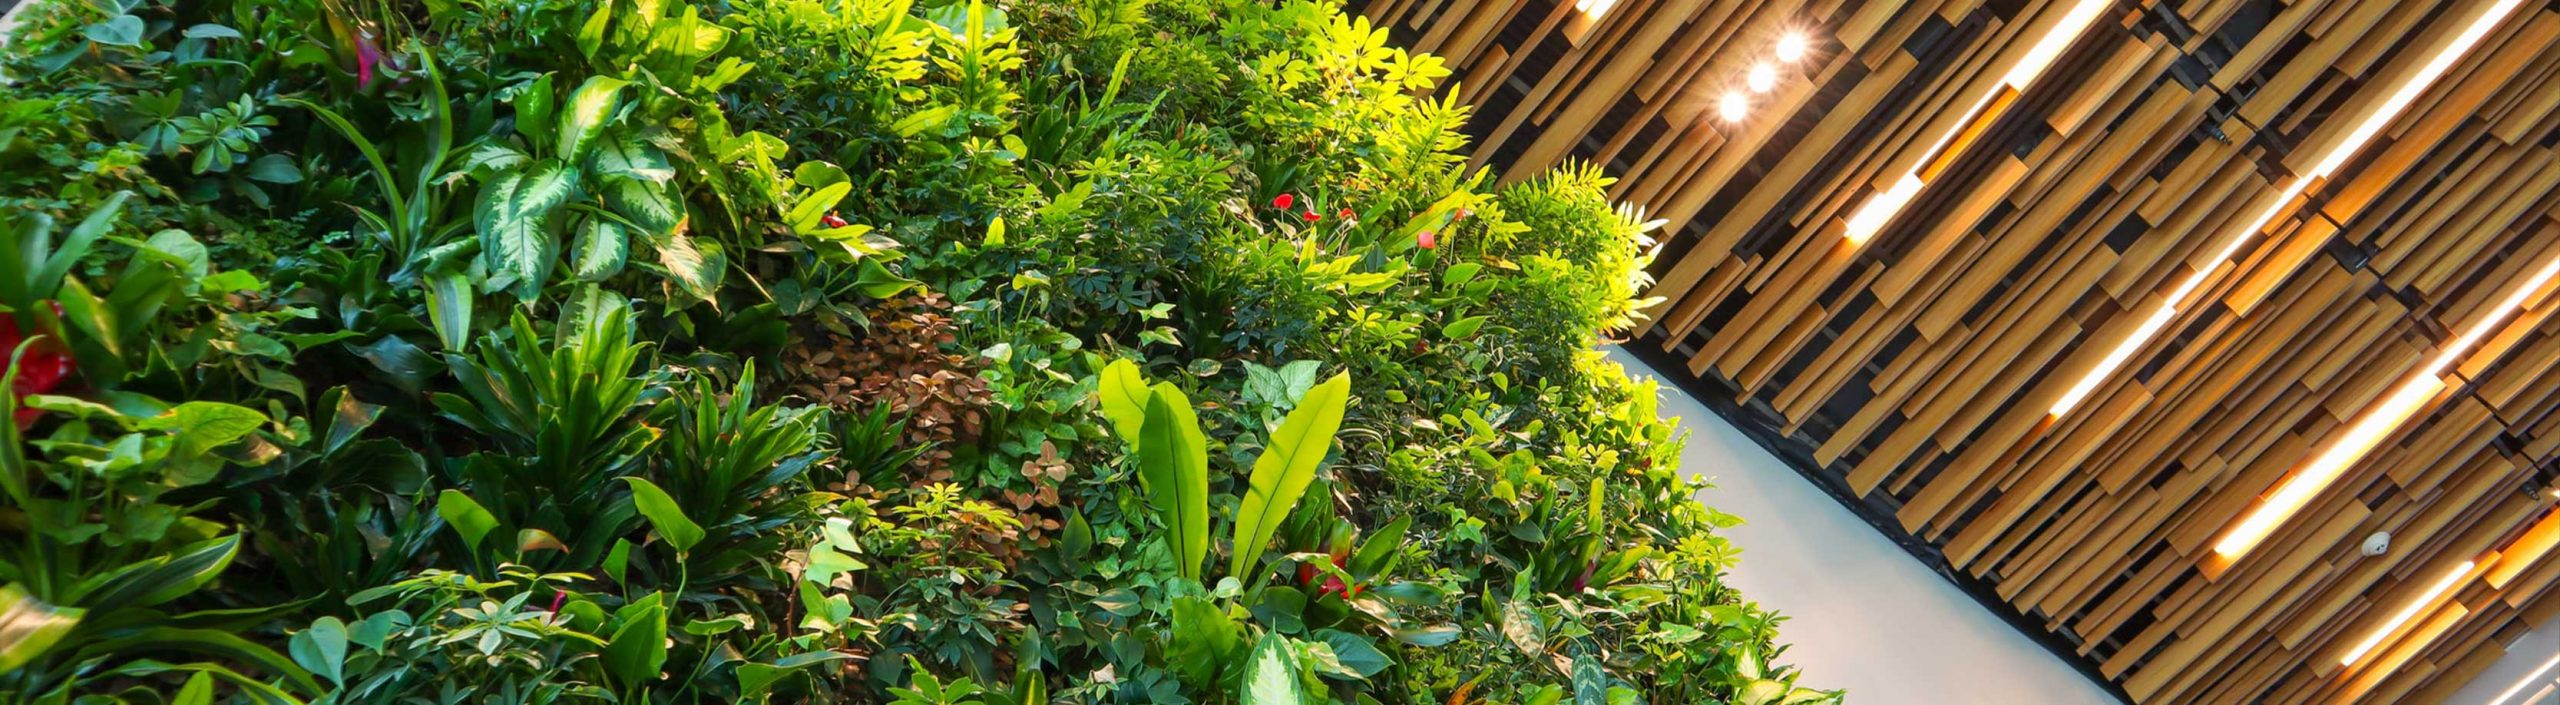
[{"x": 665, "y": 514}]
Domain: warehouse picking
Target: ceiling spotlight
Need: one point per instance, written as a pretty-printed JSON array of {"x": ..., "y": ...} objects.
[
  {"x": 1733, "y": 107},
  {"x": 1763, "y": 77},
  {"x": 1791, "y": 47}
]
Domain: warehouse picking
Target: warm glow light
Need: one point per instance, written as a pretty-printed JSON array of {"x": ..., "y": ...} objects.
[
  {"x": 2415, "y": 606},
  {"x": 2527, "y": 682},
  {"x": 1763, "y": 77},
  {"x": 2338, "y": 154},
  {"x": 1791, "y": 47},
  {"x": 1875, "y": 214},
  {"x": 2376, "y": 424},
  {"x": 1733, "y": 107},
  {"x": 1594, "y": 8}
]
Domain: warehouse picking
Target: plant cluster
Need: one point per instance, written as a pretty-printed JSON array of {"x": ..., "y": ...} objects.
[{"x": 895, "y": 351}]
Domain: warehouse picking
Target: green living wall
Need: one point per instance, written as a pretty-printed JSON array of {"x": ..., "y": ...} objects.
[{"x": 1081, "y": 351}]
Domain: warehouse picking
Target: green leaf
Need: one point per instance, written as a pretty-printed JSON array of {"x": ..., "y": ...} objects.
[
  {"x": 617, "y": 559},
  {"x": 1760, "y": 692},
  {"x": 1287, "y": 465},
  {"x": 639, "y": 645},
  {"x": 663, "y": 513},
  {"x": 645, "y": 204},
  {"x": 1123, "y": 392},
  {"x": 1463, "y": 327},
  {"x": 274, "y": 169},
  {"x": 1377, "y": 553},
  {"x": 600, "y": 251},
  {"x": 322, "y": 649},
  {"x": 533, "y": 106},
  {"x": 466, "y": 515},
  {"x": 1173, "y": 463},
  {"x": 586, "y": 112},
  {"x": 591, "y": 33},
  {"x": 164, "y": 578},
  {"x": 809, "y": 214},
  {"x": 1355, "y": 652},
  {"x": 29, "y": 627},
  {"x": 449, "y": 301},
  {"x": 197, "y": 691},
  {"x": 694, "y": 270},
  {"x": 1205, "y": 640},
  {"x": 120, "y": 30},
  {"x": 754, "y": 678},
  {"x": 1271, "y": 674},
  {"x": 1590, "y": 684},
  {"x": 516, "y": 211}
]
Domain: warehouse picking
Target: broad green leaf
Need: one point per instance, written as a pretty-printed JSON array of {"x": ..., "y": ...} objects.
[
  {"x": 1173, "y": 463},
  {"x": 1271, "y": 674},
  {"x": 639, "y": 645},
  {"x": 198, "y": 690},
  {"x": 28, "y": 626},
  {"x": 1590, "y": 684},
  {"x": 663, "y": 513},
  {"x": 1204, "y": 641},
  {"x": 1377, "y": 554},
  {"x": 754, "y": 678},
  {"x": 322, "y": 649},
  {"x": 1355, "y": 652},
  {"x": 449, "y": 302},
  {"x": 601, "y": 249},
  {"x": 120, "y": 30},
  {"x": 631, "y": 157},
  {"x": 1463, "y": 327},
  {"x": 809, "y": 214},
  {"x": 586, "y": 112},
  {"x": 533, "y": 106},
  {"x": 591, "y": 33},
  {"x": 695, "y": 266},
  {"x": 163, "y": 578},
  {"x": 1760, "y": 692},
  {"x": 617, "y": 559},
  {"x": 516, "y": 210},
  {"x": 466, "y": 515},
  {"x": 1287, "y": 464},
  {"x": 1123, "y": 392},
  {"x": 645, "y": 204}
]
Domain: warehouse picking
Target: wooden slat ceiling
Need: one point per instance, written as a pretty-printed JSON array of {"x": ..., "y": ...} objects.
[{"x": 1917, "y": 366}]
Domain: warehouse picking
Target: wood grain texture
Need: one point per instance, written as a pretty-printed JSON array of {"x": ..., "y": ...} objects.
[{"x": 1915, "y": 369}]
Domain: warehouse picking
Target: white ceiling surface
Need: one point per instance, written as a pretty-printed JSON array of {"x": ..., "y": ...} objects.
[{"x": 1863, "y": 614}]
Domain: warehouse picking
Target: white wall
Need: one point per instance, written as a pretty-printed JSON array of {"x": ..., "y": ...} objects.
[
  {"x": 2522, "y": 664},
  {"x": 1865, "y": 615}
]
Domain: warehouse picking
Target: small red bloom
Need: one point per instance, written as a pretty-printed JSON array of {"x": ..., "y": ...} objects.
[
  {"x": 42, "y": 368},
  {"x": 1426, "y": 240},
  {"x": 1463, "y": 213},
  {"x": 835, "y": 221},
  {"x": 1283, "y": 201},
  {"x": 1346, "y": 214},
  {"x": 557, "y": 597},
  {"x": 1312, "y": 216},
  {"x": 1333, "y": 586}
]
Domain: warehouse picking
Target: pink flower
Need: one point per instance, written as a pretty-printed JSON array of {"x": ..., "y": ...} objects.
[
  {"x": 367, "y": 55},
  {"x": 1283, "y": 201},
  {"x": 1426, "y": 240}
]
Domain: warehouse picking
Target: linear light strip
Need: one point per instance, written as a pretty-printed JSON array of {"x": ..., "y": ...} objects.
[
  {"x": 2391, "y": 107},
  {"x": 2377, "y": 423},
  {"x": 1871, "y": 217},
  {"x": 2528, "y": 681},
  {"x": 2420, "y": 603}
]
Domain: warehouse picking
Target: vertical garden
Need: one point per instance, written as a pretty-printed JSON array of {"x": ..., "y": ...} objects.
[{"x": 872, "y": 351}]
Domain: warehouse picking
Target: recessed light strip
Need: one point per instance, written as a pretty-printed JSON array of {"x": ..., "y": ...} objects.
[
  {"x": 2378, "y": 423},
  {"x": 1879, "y": 211},
  {"x": 2416, "y": 605},
  {"x": 2338, "y": 154}
]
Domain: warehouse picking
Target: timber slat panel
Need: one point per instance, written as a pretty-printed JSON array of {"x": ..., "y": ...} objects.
[{"x": 1914, "y": 369}]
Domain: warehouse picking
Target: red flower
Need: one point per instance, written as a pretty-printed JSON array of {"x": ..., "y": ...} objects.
[
  {"x": 835, "y": 221},
  {"x": 557, "y": 597},
  {"x": 1333, "y": 586},
  {"x": 1346, "y": 214},
  {"x": 1283, "y": 201},
  {"x": 367, "y": 56},
  {"x": 1312, "y": 216},
  {"x": 42, "y": 368},
  {"x": 1426, "y": 240},
  {"x": 1463, "y": 213}
]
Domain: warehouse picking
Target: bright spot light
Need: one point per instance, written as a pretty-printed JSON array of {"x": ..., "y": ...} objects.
[
  {"x": 1791, "y": 47},
  {"x": 1733, "y": 107},
  {"x": 1763, "y": 77}
]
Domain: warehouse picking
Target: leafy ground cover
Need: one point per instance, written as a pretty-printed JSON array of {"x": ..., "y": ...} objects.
[{"x": 1079, "y": 351}]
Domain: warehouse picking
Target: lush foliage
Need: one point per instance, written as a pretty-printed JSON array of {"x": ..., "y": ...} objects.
[{"x": 952, "y": 352}]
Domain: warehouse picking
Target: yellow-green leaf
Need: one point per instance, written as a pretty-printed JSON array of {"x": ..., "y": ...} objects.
[
  {"x": 1287, "y": 465},
  {"x": 663, "y": 512},
  {"x": 1173, "y": 463}
]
